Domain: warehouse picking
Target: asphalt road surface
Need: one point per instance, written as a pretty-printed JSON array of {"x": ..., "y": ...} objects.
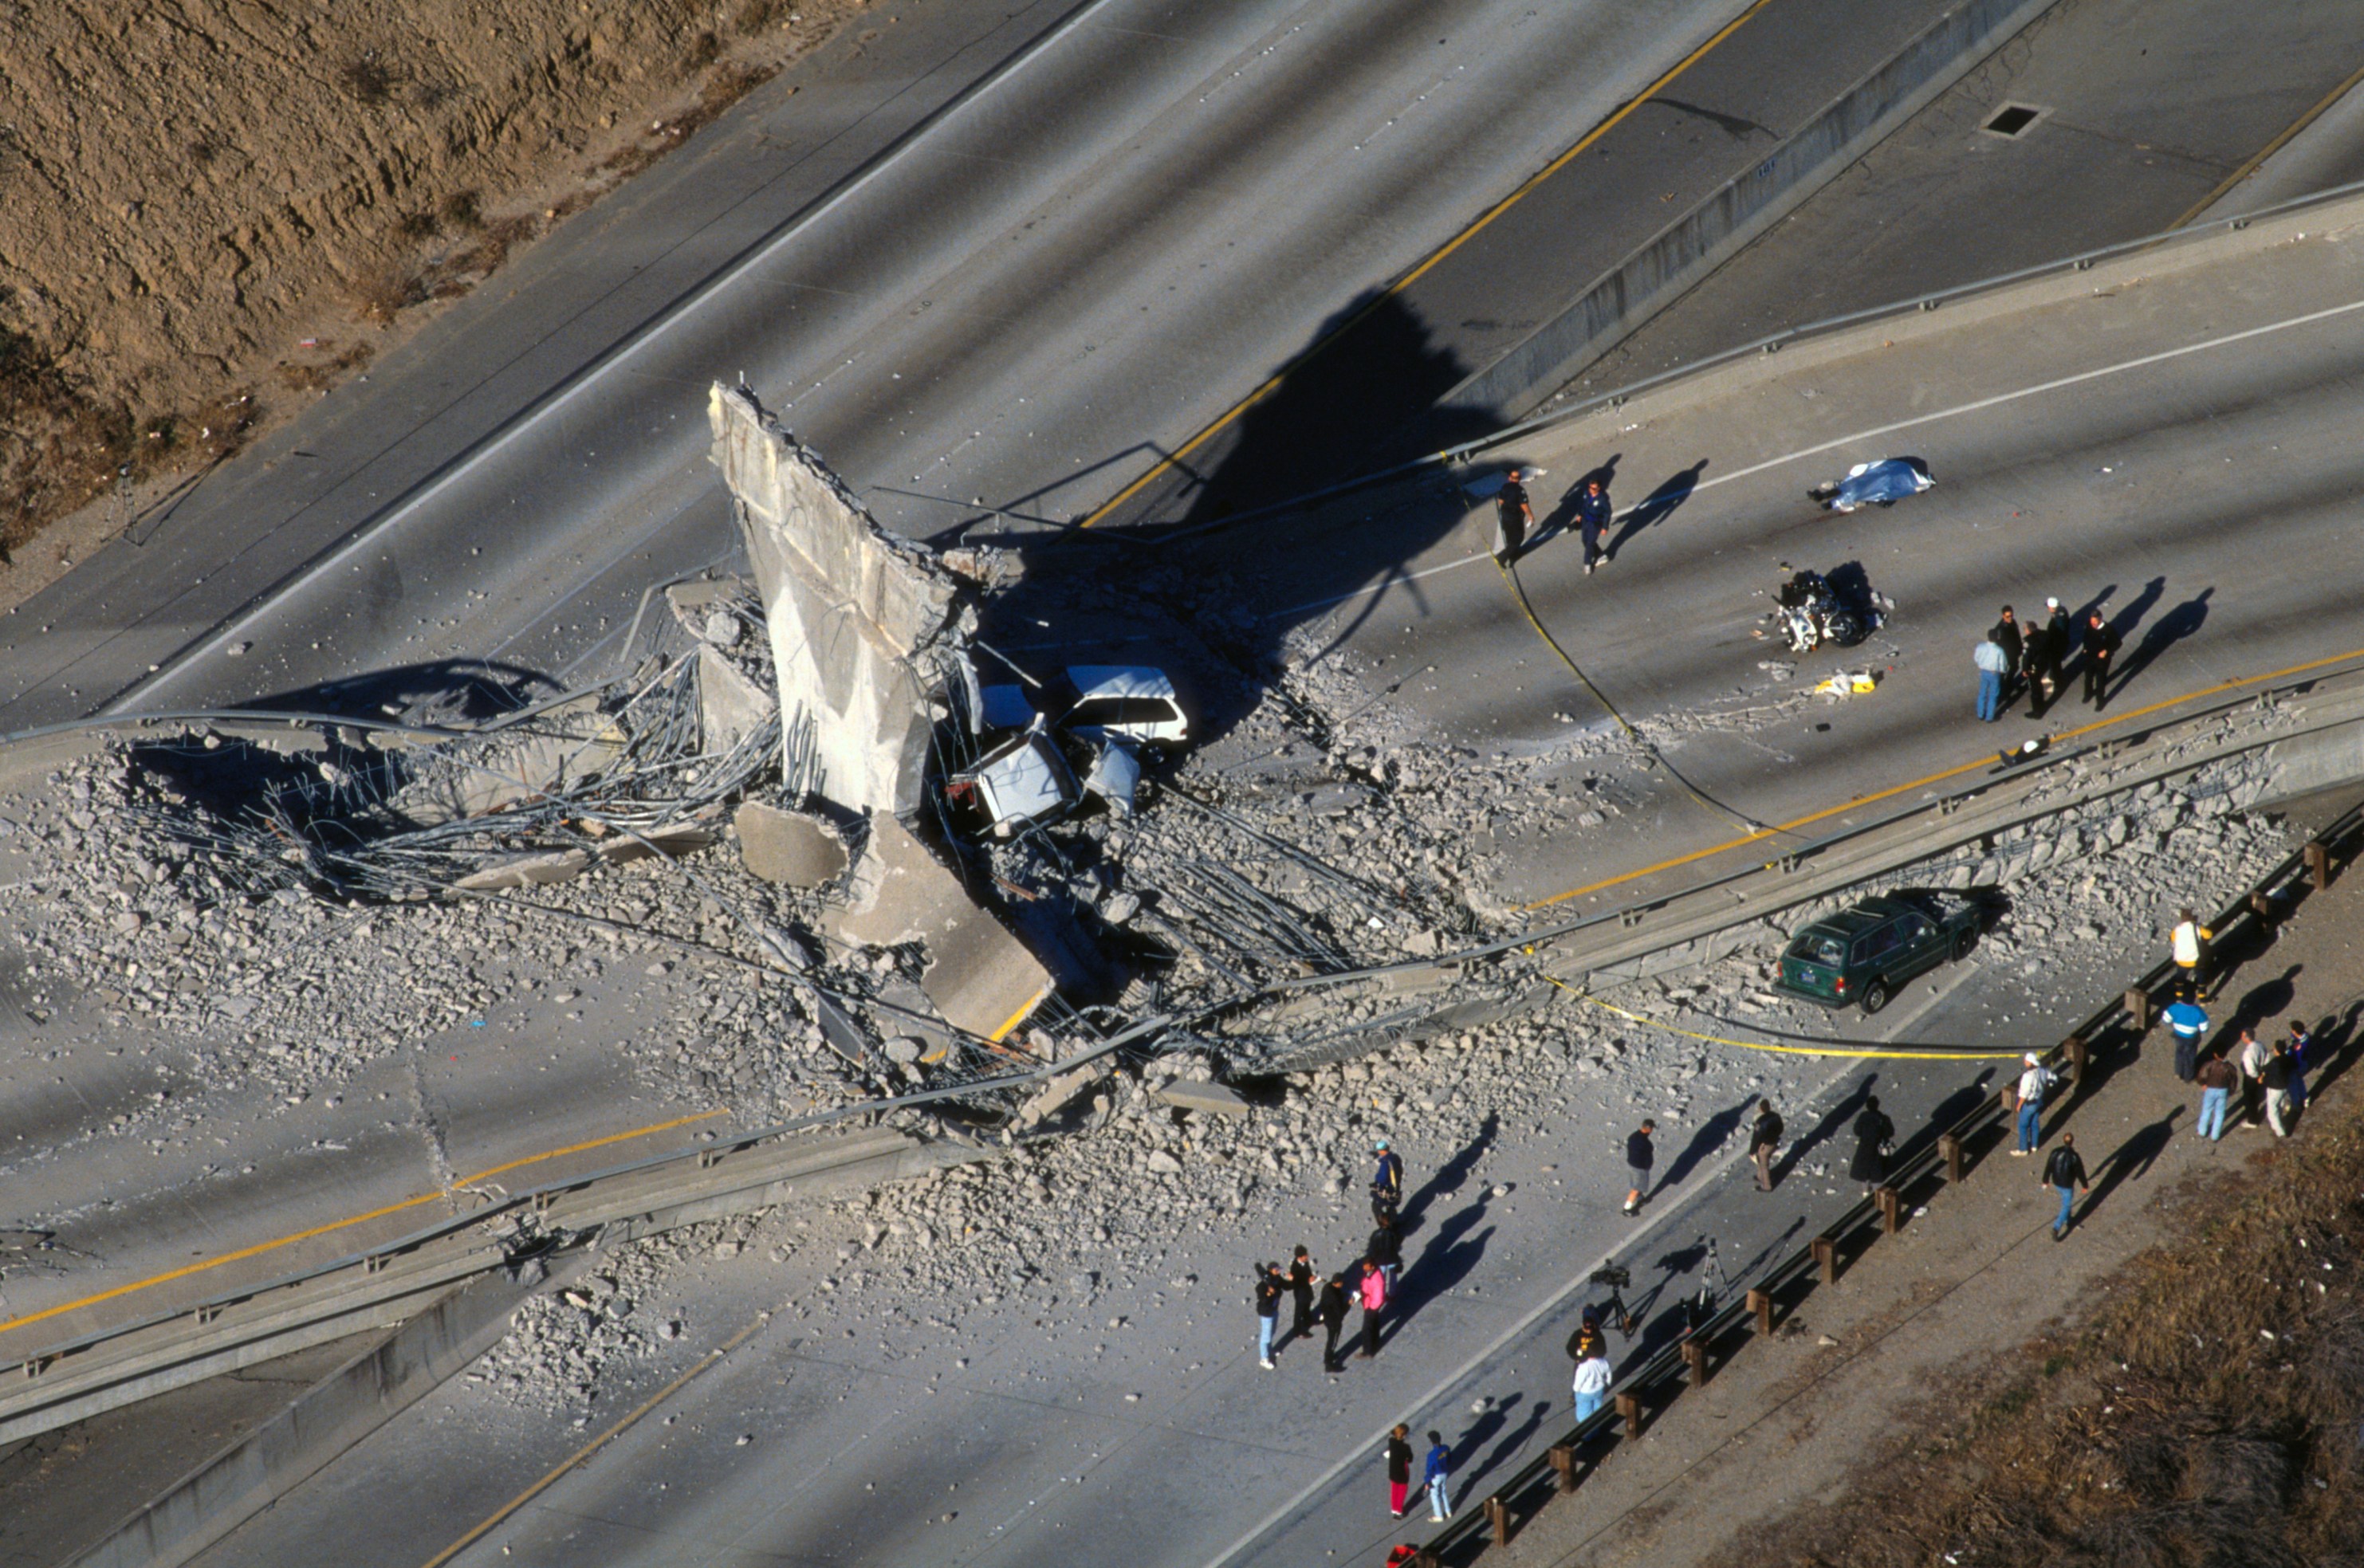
[{"x": 1007, "y": 318}]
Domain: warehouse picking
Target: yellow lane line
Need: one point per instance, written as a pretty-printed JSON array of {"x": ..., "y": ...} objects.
[
  {"x": 258, "y": 1249},
  {"x": 1939, "y": 777},
  {"x": 595, "y": 1445},
  {"x": 1174, "y": 459},
  {"x": 2276, "y": 145},
  {"x": 1787, "y": 1050}
]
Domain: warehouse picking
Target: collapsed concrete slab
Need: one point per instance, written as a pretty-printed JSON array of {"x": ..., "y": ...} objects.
[
  {"x": 730, "y": 708},
  {"x": 1197, "y": 1094},
  {"x": 861, "y": 622},
  {"x": 787, "y": 847},
  {"x": 980, "y": 977}
]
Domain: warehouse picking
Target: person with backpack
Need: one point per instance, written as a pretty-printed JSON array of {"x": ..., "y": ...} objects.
[
  {"x": 1640, "y": 1155},
  {"x": 1266, "y": 1299},
  {"x": 2065, "y": 1170},
  {"x": 1335, "y": 1294},
  {"x": 1433, "y": 1476},
  {"x": 1398, "y": 1468},
  {"x": 2034, "y": 1082},
  {"x": 1386, "y": 1183},
  {"x": 1374, "y": 1293},
  {"x": 1764, "y": 1137}
]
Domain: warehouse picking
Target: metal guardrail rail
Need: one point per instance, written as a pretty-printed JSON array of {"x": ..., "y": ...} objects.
[{"x": 2123, "y": 1020}]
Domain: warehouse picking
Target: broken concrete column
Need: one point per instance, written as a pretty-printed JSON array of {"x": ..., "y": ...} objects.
[
  {"x": 786, "y": 848},
  {"x": 980, "y": 976},
  {"x": 860, "y": 620},
  {"x": 730, "y": 708}
]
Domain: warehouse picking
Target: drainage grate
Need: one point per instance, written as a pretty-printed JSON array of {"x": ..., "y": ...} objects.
[{"x": 2012, "y": 119}]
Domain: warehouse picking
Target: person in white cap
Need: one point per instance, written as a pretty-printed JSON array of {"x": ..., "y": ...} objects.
[
  {"x": 2046, "y": 652},
  {"x": 2034, "y": 1082}
]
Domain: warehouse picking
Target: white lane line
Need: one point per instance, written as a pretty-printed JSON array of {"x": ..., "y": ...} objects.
[
  {"x": 535, "y": 418},
  {"x": 1977, "y": 405}
]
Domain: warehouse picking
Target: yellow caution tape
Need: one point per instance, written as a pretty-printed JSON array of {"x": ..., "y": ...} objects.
[{"x": 1632, "y": 1016}]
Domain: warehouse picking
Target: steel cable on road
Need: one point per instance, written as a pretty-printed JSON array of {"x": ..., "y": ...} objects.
[{"x": 1518, "y": 590}]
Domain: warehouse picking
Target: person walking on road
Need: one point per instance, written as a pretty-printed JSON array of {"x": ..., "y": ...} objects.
[
  {"x": 2011, "y": 637},
  {"x": 2252, "y": 1055},
  {"x": 2048, "y": 651},
  {"x": 1993, "y": 665},
  {"x": 1513, "y": 515},
  {"x": 1592, "y": 1379},
  {"x": 1764, "y": 1137},
  {"x": 2102, "y": 644},
  {"x": 2276, "y": 1077},
  {"x": 2186, "y": 1020},
  {"x": 1302, "y": 1279},
  {"x": 1433, "y": 1476},
  {"x": 1332, "y": 1311},
  {"x": 1640, "y": 1155},
  {"x": 1398, "y": 1468},
  {"x": 1269, "y": 1283},
  {"x": 1374, "y": 1293},
  {"x": 2063, "y": 1171},
  {"x": 1873, "y": 1130},
  {"x": 1593, "y": 515},
  {"x": 2034, "y": 1082},
  {"x": 2216, "y": 1081},
  {"x": 2188, "y": 944},
  {"x": 1387, "y": 1185}
]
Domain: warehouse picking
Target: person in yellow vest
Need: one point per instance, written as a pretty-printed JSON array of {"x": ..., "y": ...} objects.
[{"x": 2189, "y": 944}]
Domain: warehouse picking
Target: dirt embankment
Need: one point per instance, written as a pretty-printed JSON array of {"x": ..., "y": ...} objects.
[
  {"x": 2207, "y": 1414},
  {"x": 209, "y": 209}
]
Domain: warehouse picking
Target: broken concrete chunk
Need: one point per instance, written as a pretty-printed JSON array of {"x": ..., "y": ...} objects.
[
  {"x": 858, "y": 617},
  {"x": 730, "y": 708},
  {"x": 981, "y": 978},
  {"x": 537, "y": 870},
  {"x": 672, "y": 842},
  {"x": 1220, "y": 1099},
  {"x": 1058, "y": 1092},
  {"x": 903, "y": 1050},
  {"x": 787, "y": 847}
]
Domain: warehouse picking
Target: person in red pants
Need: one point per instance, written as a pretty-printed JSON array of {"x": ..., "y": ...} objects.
[{"x": 1398, "y": 1469}]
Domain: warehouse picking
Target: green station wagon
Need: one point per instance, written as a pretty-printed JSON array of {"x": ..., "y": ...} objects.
[{"x": 1864, "y": 954}]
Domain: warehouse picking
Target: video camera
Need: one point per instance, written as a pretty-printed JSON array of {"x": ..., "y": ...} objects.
[{"x": 1613, "y": 1276}]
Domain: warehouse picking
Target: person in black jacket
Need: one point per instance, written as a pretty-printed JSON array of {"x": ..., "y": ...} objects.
[
  {"x": 1302, "y": 1279},
  {"x": 1639, "y": 1157},
  {"x": 1593, "y": 513},
  {"x": 1873, "y": 1130},
  {"x": 1513, "y": 515},
  {"x": 2064, "y": 1171},
  {"x": 1333, "y": 1313},
  {"x": 2009, "y": 635},
  {"x": 1764, "y": 1137},
  {"x": 2101, "y": 645},
  {"x": 1398, "y": 1469},
  {"x": 1386, "y": 1249},
  {"x": 2048, "y": 651}
]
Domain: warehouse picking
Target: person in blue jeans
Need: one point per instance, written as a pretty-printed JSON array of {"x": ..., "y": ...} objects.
[
  {"x": 2064, "y": 1173},
  {"x": 2034, "y": 1082},
  {"x": 1993, "y": 665},
  {"x": 2216, "y": 1081},
  {"x": 1440, "y": 1490}
]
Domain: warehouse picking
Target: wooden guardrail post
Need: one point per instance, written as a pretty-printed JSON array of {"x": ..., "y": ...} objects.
[
  {"x": 1695, "y": 1361},
  {"x": 1892, "y": 1209},
  {"x": 1563, "y": 1464},
  {"x": 1761, "y": 1302},
  {"x": 2139, "y": 1008},
  {"x": 1629, "y": 1410},
  {"x": 1498, "y": 1514},
  {"x": 1826, "y": 1253},
  {"x": 2318, "y": 856},
  {"x": 2074, "y": 1046},
  {"x": 1950, "y": 1147}
]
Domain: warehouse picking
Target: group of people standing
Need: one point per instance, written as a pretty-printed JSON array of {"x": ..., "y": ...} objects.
[
  {"x": 2015, "y": 656},
  {"x": 1369, "y": 1282}
]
